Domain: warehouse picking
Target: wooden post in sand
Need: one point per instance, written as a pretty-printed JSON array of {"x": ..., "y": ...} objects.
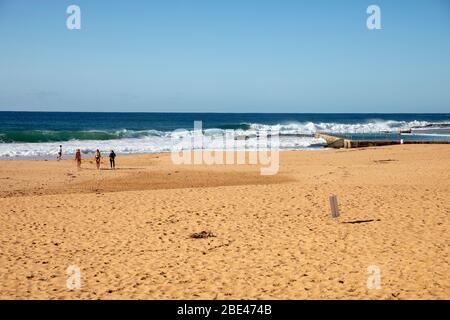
[{"x": 334, "y": 206}]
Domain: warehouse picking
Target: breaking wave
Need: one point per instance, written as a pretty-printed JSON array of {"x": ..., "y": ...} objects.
[{"x": 293, "y": 136}]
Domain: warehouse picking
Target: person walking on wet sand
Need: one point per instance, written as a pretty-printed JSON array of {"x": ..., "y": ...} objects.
[
  {"x": 98, "y": 157},
  {"x": 78, "y": 158},
  {"x": 112, "y": 159},
  {"x": 59, "y": 157}
]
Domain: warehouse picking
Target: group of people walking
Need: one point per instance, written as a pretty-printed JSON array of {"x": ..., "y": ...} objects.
[{"x": 98, "y": 157}]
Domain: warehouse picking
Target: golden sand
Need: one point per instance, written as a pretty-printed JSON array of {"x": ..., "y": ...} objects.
[{"x": 129, "y": 230}]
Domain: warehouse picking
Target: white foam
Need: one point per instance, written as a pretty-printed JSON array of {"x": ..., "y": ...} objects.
[
  {"x": 135, "y": 146},
  {"x": 367, "y": 127},
  {"x": 152, "y": 141}
]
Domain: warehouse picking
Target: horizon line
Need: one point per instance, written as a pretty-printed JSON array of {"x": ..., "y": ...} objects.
[{"x": 213, "y": 112}]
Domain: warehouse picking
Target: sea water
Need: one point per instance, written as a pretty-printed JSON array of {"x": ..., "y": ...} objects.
[{"x": 39, "y": 134}]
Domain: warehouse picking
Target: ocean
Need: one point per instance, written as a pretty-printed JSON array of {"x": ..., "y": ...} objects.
[{"x": 39, "y": 134}]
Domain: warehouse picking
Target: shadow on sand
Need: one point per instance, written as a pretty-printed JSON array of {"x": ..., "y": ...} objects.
[
  {"x": 361, "y": 221},
  {"x": 108, "y": 169}
]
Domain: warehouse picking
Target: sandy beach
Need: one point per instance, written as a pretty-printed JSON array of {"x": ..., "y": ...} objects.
[{"x": 129, "y": 230}]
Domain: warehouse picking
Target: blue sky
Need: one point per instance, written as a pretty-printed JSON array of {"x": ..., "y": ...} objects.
[{"x": 225, "y": 56}]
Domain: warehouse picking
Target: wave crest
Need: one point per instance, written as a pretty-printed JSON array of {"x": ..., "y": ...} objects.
[{"x": 293, "y": 136}]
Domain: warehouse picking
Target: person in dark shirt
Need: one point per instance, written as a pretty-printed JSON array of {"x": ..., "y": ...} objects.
[
  {"x": 112, "y": 159},
  {"x": 59, "y": 157}
]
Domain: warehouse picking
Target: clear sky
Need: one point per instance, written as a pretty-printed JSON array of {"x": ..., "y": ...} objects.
[{"x": 225, "y": 56}]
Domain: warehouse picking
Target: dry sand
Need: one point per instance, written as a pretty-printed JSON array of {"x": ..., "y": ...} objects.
[{"x": 129, "y": 230}]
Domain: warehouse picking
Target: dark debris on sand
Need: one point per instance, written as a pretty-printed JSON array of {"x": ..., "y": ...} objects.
[{"x": 202, "y": 235}]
